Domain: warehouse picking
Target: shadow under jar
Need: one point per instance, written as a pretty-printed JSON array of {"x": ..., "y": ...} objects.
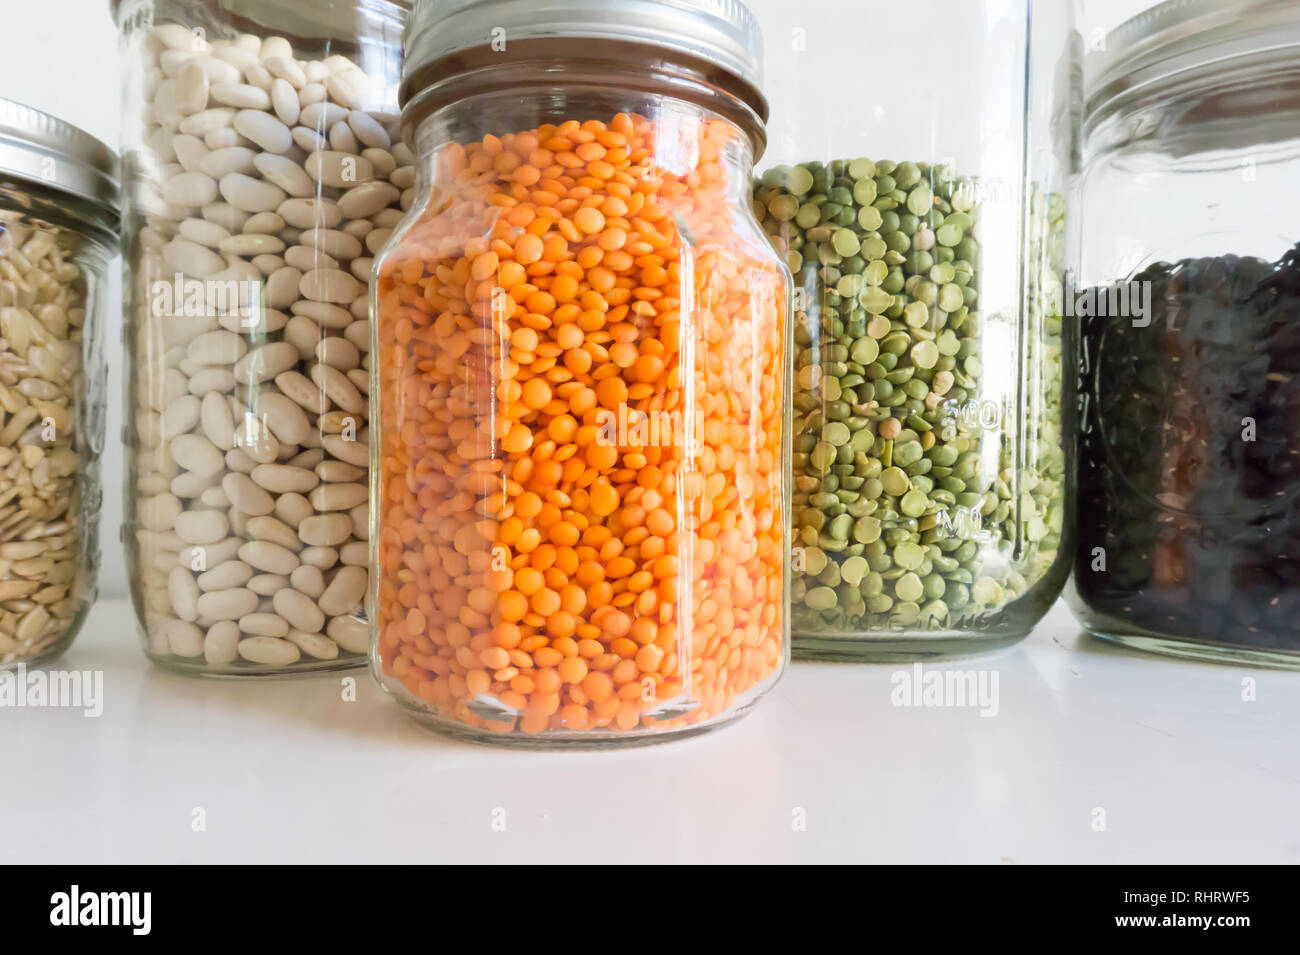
[
  {"x": 925, "y": 224},
  {"x": 1189, "y": 428},
  {"x": 264, "y": 169},
  {"x": 579, "y": 509},
  {"x": 58, "y": 234}
]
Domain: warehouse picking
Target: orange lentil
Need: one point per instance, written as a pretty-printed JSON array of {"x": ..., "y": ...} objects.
[
  {"x": 536, "y": 394},
  {"x": 528, "y": 249},
  {"x": 572, "y": 670},
  {"x": 536, "y": 499},
  {"x": 569, "y": 336},
  {"x": 546, "y": 601},
  {"x": 589, "y": 220}
]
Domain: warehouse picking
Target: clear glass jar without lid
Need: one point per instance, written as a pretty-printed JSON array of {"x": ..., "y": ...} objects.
[
  {"x": 579, "y": 530},
  {"x": 58, "y": 234},
  {"x": 1189, "y": 433},
  {"x": 925, "y": 224},
  {"x": 264, "y": 169}
]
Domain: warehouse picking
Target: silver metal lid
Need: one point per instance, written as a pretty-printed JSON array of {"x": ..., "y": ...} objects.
[
  {"x": 36, "y": 147},
  {"x": 1184, "y": 34},
  {"x": 301, "y": 19},
  {"x": 724, "y": 32}
]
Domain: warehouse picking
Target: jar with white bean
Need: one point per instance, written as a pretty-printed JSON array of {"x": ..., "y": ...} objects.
[
  {"x": 265, "y": 171},
  {"x": 58, "y": 233}
]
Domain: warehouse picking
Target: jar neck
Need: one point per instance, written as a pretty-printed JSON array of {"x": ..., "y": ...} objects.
[
  {"x": 1248, "y": 103},
  {"x": 569, "y": 68}
]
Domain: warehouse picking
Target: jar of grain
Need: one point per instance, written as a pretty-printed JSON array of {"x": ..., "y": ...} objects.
[
  {"x": 1186, "y": 326},
  {"x": 920, "y": 199},
  {"x": 580, "y": 365},
  {"x": 58, "y": 233},
  {"x": 264, "y": 169}
]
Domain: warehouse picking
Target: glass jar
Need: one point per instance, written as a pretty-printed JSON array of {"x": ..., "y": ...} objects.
[
  {"x": 264, "y": 169},
  {"x": 924, "y": 222},
  {"x": 58, "y": 233},
  {"x": 1188, "y": 318},
  {"x": 579, "y": 504}
]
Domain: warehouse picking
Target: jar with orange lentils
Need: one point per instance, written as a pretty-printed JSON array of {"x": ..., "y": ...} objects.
[{"x": 579, "y": 494}]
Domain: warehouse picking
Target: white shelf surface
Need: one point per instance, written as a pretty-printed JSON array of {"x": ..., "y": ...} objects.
[{"x": 1096, "y": 754}]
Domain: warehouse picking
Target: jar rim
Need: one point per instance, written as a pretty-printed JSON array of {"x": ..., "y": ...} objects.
[
  {"x": 42, "y": 150},
  {"x": 1180, "y": 36}
]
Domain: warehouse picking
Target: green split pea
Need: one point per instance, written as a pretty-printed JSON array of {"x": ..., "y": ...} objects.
[{"x": 911, "y": 507}]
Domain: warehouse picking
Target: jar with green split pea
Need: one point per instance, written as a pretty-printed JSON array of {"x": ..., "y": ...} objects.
[{"x": 930, "y": 474}]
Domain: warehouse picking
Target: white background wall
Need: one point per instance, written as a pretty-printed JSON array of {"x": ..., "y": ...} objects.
[{"x": 61, "y": 56}]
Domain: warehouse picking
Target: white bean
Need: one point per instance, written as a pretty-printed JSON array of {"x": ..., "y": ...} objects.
[
  {"x": 184, "y": 639},
  {"x": 269, "y": 557},
  {"x": 250, "y": 195},
  {"x": 264, "y": 223},
  {"x": 190, "y": 189},
  {"x": 254, "y": 502},
  {"x": 311, "y": 213},
  {"x": 227, "y": 604},
  {"x": 216, "y": 348},
  {"x": 192, "y": 259},
  {"x": 265, "y": 362},
  {"x": 225, "y": 215},
  {"x": 264, "y": 625},
  {"x": 246, "y": 495},
  {"x": 329, "y": 285},
  {"x": 350, "y": 87},
  {"x": 314, "y": 645},
  {"x": 299, "y": 609},
  {"x": 308, "y": 580},
  {"x": 367, "y": 199},
  {"x": 284, "y": 99},
  {"x": 345, "y": 592},
  {"x": 252, "y": 244},
  {"x": 202, "y": 527},
  {"x": 223, "y": 162},
  {"x": 180, "y": 416},
  {"x": 266, "y": 585},
  {"x": 184, "y": 594},
  {"x": 225, "y": 576},
  {"x": 338, "y": 497},
  {"x": 221, "y": 645},
  {"x": 208, "y": 120},
  {"x": 351, "y": 634},
  {"x": 286, "y": 68},
  {"x": 196, "y": 453},
  {"x": 241, "y": 96},
  {"x": 286, "y": 174},
  {"x": 269, "y": 651},
  {"x": 279, "y": 478},
  {"x": 325, "y": 530},
  {"x": 368, "y": 130}
]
